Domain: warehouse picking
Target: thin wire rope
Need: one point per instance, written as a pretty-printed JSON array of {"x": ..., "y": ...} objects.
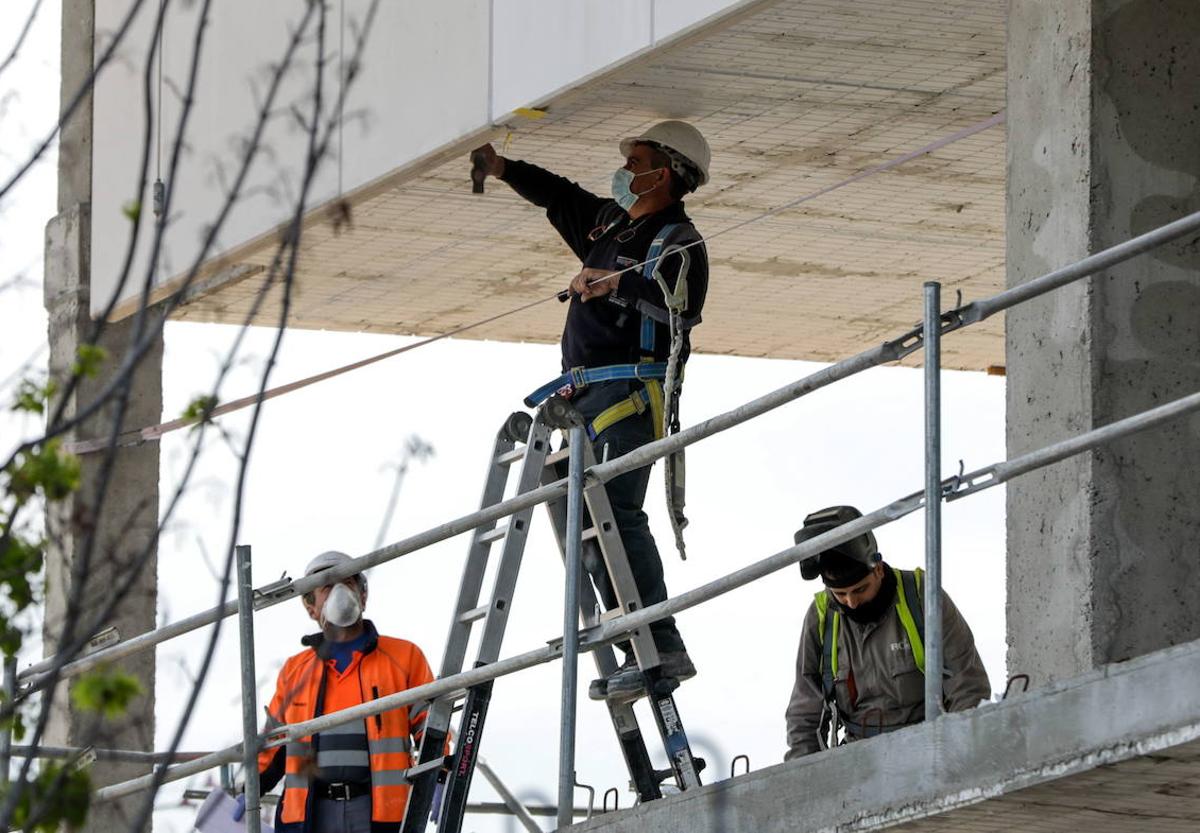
[{"x": 154, "y": 432}]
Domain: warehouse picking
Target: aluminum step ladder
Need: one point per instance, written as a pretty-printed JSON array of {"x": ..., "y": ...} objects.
[{"x": 527, "y": 440}]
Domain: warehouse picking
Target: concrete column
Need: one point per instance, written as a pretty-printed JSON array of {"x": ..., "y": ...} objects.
[
  {"x": 125, "y": 521},
  {"x": 1103, "y": 144}
]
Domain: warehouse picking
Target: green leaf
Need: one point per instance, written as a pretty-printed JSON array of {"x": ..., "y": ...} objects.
[
  {"x": 132, "y": 210},
  {"x": 88, "y": 358},
  {"x": 199, "y": 410},
  {"x": 32, "y": 396},
  {"x": 107, "y": 691},
  {"x": 59, "y": 795},
  {"x": 46, "y": 468},
  {"x": 20, "y": 560}
]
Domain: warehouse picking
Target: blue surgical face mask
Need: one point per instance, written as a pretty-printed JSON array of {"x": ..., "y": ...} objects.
[{"x": 622, "y": 187}]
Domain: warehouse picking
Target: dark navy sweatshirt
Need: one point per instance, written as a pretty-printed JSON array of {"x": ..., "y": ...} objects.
[{"x": 603, "y": 332}]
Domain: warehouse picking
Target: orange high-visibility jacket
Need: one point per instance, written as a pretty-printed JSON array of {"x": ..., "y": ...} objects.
[{"x": 309, "y": 685}]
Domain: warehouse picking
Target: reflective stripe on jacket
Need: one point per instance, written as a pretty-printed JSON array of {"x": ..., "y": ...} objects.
[
  {"x": 909, "y": 607},
  {"x": 305, "y": 689},
  {"x": 882, "y": 660}
]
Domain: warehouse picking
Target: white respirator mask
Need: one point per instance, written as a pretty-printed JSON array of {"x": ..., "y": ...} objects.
[
  {"x": 622, "y": 187},
  {"x": 342, "y": 607}
]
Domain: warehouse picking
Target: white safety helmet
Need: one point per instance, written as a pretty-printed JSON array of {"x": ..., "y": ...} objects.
[
  {"x": 332, "y": 558},
  {"x": 683, "y": 144}
]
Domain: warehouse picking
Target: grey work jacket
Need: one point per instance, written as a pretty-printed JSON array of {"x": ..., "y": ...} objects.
[{"x": 886, "y": 676}]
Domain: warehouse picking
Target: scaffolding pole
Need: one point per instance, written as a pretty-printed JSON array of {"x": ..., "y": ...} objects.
[
  {"x": 511, "y": 803},
  {"x": 622, "y": 626},
  {"x": 933, "y": 501},
  {"x": 245, "y": 590},
  {"x": 573, "y": 553}
]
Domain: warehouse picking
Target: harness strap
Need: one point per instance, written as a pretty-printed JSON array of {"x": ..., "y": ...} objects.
[
  {"x": 648, "y": 397},
  {"x": 581, "y": 377},
  {"x": 828, "y": 626},
  {"x": 681, "y": 232},
  {"x": 912, "y": 618},
  {"x": 660, "y": 315}
]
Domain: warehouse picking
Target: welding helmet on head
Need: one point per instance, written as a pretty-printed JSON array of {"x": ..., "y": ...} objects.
[
  {"x": 684, "y": 146},
  {"x": 862, "y": 548}
]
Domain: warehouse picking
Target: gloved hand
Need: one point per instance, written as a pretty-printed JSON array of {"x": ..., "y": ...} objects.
[{"x": 240, "y": 809}]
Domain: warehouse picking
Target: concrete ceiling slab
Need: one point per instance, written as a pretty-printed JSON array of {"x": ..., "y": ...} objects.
[{"x": 795, "y": 96}]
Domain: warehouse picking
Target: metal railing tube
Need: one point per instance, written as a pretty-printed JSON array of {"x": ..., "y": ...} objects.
[
  {"x": 933, "y": 502},
  {"x": 887, "y": 352},
  {"x": 245, "y": 591},
  {"x": 603, "y": 472},
  {"x": 573, "y": 552},
  {"x": 979, "y": 310},
  {"x": 514, "y": 805},
  {"x": 591, "y": 639},
  {"x": 623, "y": 626},
  {"x": 994, "y": 475},
  {"x": 128, "y": 756},
  {"x": 34, "y": 675}
]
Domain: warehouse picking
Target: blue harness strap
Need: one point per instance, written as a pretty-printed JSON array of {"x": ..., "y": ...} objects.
[
  {"x": 581, "y": 377},
  {"x": 652, "y": 256}
]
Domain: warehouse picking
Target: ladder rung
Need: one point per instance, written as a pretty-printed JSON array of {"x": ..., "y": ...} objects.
[
  {"x": 493, "y": 534},
  {"x": 436, "y": 763},
  {"x": 510, "y": 457},
  {"x": 557, "y": 456},
  {"x": 589, "y": 534},
  {"x": 474, "y": 614}
]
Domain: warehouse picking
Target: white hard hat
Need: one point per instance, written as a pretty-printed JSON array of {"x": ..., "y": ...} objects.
[
  {"x": 329, "y": 559},
  {"x": 680, "y": 139}
]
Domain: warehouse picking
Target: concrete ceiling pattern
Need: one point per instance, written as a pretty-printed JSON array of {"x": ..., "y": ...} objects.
[
  {"x": 794, "y": 97},
  {"x": 1157, "y": 793}
]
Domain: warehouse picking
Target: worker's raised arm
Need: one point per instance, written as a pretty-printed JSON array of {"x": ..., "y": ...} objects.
[
  {"x": 966, "y": 681},
  {"x": 570, "y": 208},
  {"x": 806, "y": 704}
]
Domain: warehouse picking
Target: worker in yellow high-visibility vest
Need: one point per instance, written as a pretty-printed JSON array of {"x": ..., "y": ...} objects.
[{"x": 861, "y": 663}]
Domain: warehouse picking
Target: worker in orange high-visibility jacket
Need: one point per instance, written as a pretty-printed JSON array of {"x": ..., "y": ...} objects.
[{"x": 348, "y": 779}]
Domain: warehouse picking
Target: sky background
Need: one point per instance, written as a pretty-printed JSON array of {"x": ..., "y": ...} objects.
[{"x": 323, "y": 469}]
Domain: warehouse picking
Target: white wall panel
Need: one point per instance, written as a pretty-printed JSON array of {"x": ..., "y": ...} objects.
[
  {"x": 424, "y": 81},
  {"x": 428, "y": 72}
]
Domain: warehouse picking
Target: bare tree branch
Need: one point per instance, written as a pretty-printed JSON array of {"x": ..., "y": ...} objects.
[{"x": 12, "y": 55}]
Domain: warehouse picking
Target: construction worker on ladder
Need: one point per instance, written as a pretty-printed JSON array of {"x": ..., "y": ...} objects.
[
  {"x": 350, "y": 778},
  {"x": 861, "y": 663},
  {"x": 641, "y": 288}
]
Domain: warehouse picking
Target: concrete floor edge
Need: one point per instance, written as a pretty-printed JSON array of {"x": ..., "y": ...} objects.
[{"x": 1075, "y": 726}]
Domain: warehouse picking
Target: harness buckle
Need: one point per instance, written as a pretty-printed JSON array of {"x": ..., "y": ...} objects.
[
  {"x": 338, "y": 792},
  {"x": 578, "y": 381}
]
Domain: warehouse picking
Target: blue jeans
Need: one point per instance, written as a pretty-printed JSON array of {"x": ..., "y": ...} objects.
[{"x": 627, "y": 493}]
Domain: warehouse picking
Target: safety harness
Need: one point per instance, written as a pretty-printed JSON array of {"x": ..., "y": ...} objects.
[
  {"x": 662, "y": 381},
  {"x": 912, "y": 619}
]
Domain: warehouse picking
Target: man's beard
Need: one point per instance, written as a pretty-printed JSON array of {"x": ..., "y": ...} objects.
[{"x": 875, "y": 609}]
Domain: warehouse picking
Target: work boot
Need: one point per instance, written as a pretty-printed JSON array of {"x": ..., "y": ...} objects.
[
  {"x": 627, "y": 682},
  {"x": 598, "y": 689}
]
